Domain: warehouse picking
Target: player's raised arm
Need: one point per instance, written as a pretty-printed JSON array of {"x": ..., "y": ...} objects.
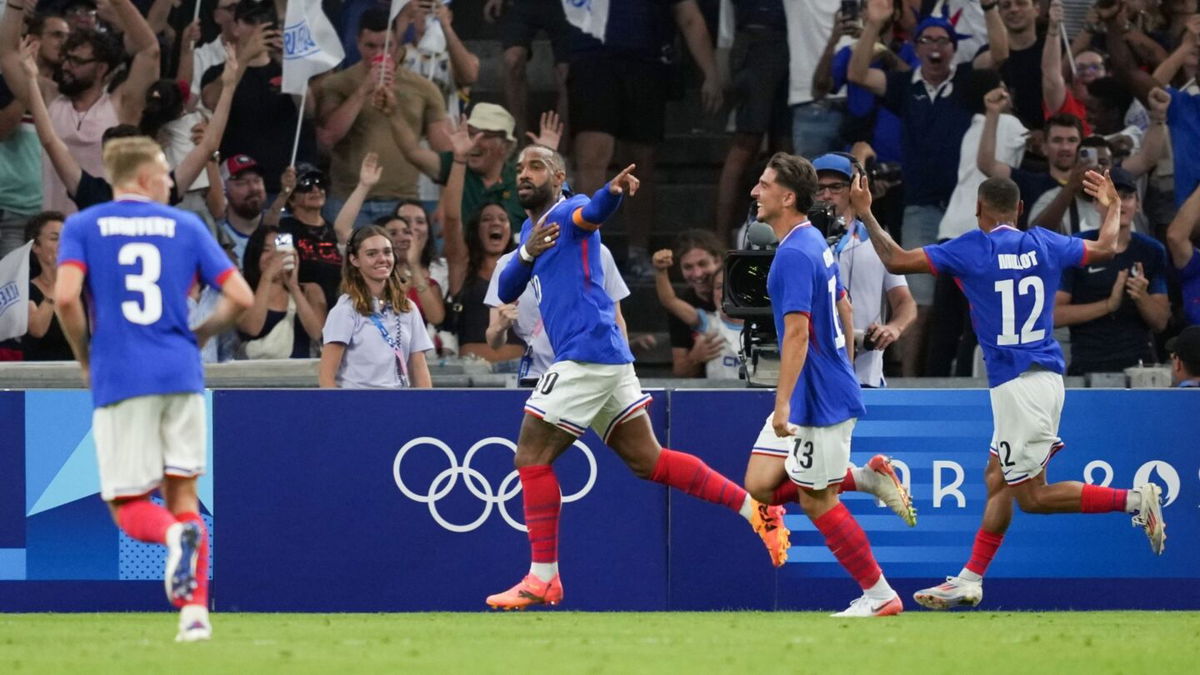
[
  {"x": 897, "y": 260},
  {"x": 606, "y": 200},
  {"x": 1101, "y": 188}
]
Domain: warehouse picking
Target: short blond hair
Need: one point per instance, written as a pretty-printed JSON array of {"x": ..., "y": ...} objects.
[{"x": 124, "y": 157}]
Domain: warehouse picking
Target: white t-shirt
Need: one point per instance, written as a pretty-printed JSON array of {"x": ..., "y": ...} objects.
[
  {"x": 371, "y": 360},
  {"x": 727, "y": 365},
  {"x": 175, "y": 137},
  {"x": 1089, "y": 217},
  {"x": 206, "y": 56},
  {"x": 539, "y": 355},
  {"x": 1010, "y": 149},
  {"x": 971, "y": 22},
  {"x": 809, "y": 25},
  {"x": 862, "y": 274}
]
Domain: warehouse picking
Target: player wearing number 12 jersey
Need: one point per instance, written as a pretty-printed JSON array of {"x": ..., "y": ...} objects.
[
  {"x": 1010, "y": 276},
  {"x": 137, "y": 260}
]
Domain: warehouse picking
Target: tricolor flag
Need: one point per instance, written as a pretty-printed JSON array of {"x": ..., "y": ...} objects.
[{"x": 310, "y": 45}]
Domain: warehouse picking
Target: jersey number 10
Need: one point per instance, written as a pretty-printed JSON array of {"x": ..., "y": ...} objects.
[
  {"x": 149, "y": 309},
  {"x": 1008, "y": 311}
]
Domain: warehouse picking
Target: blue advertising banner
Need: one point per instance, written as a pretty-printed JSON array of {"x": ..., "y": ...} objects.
[
  {"x": 939, "y": 439},
  {"x": 408, "y": 500}
]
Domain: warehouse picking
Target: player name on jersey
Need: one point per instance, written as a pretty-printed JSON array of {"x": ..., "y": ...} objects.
[
  {"x": 1015, "y": 261},
  {"x": 151, "y": 226}
]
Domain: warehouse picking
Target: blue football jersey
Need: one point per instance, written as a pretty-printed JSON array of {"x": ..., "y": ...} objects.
[
  {"x": 1010, "y": 278},
  {"x": 568, "y": 281},
  {"x": 804, "y": 278},
  {"x": 140, "y": 260}
]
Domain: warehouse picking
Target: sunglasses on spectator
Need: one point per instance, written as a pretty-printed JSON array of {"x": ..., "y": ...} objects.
[
  {"x": 927, "y": 40},
  {"x": 833, "y": 188},
  {"x": 77, "y": 60},
  {"x": 310, "y": 184}
]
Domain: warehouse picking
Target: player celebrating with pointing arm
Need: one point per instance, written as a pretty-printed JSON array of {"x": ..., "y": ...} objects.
[
  {"x": 592, "y": 381},
  {"x": 1009, "y": 277},
  {"x": 138, "y": 259}
]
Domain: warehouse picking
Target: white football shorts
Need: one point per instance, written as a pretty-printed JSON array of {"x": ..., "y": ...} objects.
[
  {"x": 573, "y": 395},
  {"x": 141, "y": 439},
  {"x": 1025, "y": 415},
  {"x": 814, "y": 457}
]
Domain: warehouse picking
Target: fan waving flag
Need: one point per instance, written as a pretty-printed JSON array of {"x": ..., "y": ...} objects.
[
  {"x": 310, "y": 45},
  {"x": 14, "y": 293},
  {"x": 589, "y": 16}
]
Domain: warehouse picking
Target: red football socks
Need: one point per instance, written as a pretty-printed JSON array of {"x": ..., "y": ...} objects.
[
  {"x": 200, "y": 594},
  {"x": 846, "y": 539},
  {"x": 690, "y": 474},
  {"x": 1096, "y": 499},
  {"x": 983, "y": 551},
  {"x": 787, "y": 493},
  {"x": 543, "y": 501},
  {"x": 848, "y": 482},
  {"x": 144, "y": 520}
]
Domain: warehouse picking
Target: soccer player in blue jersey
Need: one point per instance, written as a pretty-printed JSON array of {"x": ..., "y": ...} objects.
[
  {"x": 137, "y": 259},
  {"x": 592, "y": 381},
  {"x": 1010, "y": 276},
  {"x": 818, "y": 398}
]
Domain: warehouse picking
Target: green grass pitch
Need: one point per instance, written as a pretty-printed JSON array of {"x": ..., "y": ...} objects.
[{"x": 965, "y": 643}]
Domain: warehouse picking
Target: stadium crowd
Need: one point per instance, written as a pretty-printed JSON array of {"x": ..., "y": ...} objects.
[{"x": 926, "y": 98}]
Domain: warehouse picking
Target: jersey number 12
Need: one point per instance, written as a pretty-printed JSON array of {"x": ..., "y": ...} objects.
[
  {"x": 149, "y": 309},
  {"x": 1008, "y": 311}
]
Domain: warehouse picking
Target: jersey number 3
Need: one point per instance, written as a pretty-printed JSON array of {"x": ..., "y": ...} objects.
[
  {"x": 149, "y": 309},
  {"x": 1008, "y": 311}
]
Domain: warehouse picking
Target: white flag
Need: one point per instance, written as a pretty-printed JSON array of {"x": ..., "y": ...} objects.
[
  {"x": 310, "y": 45},
  {"x": 397, "y": 6},
  {"x": 14, "y": 293},
  {"x": 589, "y": 16}
]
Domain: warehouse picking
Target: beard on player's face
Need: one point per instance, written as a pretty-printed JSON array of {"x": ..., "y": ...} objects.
[{"x": 532, "y": 196}]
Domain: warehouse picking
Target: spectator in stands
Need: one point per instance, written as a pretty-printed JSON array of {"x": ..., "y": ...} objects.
[
  {"x": 874, "y": 292},
  {"x": 759, "y": 65},
  {"x": 83, "y": 107},
  {"x": 617, "y": 91},
  {"x": 51, "y": 31},
  {"x": 1182, "y": 236},
  {"x": 934, "y": 96},
  {"x": 212, "y": 53},
  {"x": 245, "y": 198},
  {"x": 951, "y": 336},
  {"x": 374, "y": 337},
  {"x": 816, "y": 121},
  {"x": 359, "y": 105},
  {"x": 86, "y": 189},
  {"x": 414, "y": 259},
  {"x": 1112, "y": 307},
  {"x": 715, "y": 326},
  {"x": 1185, "y": 357},
  {"x": 20, "y": 171},
  {"x": 287, "y": 315},
  {"x": 471, "y": 254},
  {"x": 316, "y": 241},
  {"x": 82, "y": 14},
  {"x": 1025, "y": 47},
  {"x": 699, "y": 254},
  {"x": 520, "y": 21},
  {"x": 1067, "y": 208},
  {"x": 436, "y": 53},
  {"x": 491, "y": 177},
  {"x": 45, "y": 340},
  {"x": 262, "y": 120}
]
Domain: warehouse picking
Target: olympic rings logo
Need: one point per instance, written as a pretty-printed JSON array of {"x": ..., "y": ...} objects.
[{"x": 476, "y": 482}]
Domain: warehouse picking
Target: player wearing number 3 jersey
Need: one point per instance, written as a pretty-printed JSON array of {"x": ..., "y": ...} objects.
[
  {"x": 1009, "y": 277},
  {"x": 138, "y": 259}
]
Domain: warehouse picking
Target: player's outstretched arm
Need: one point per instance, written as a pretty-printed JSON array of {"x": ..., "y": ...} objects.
[
  {"x": 67, "y": 305},
  {"x": 606, "y": 201},
  {"x": 897, "y": 260},
  {"x": 1101, "y": 188},
  {"x": 236, "y": 297}
]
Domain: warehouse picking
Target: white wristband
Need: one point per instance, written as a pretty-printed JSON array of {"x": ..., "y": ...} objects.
[{"x": 525, "y": 257}]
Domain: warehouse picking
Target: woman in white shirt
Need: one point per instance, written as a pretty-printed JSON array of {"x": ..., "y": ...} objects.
[{"x": 374, "y": 336}]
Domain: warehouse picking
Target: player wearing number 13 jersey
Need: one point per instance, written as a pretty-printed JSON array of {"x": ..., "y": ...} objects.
[
  {"x": 1009, "y": 277},
  {"x": 137, "y": 260}
]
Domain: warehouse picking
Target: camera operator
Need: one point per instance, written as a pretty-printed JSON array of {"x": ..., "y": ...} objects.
[{"x": 862, "y": 273}]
